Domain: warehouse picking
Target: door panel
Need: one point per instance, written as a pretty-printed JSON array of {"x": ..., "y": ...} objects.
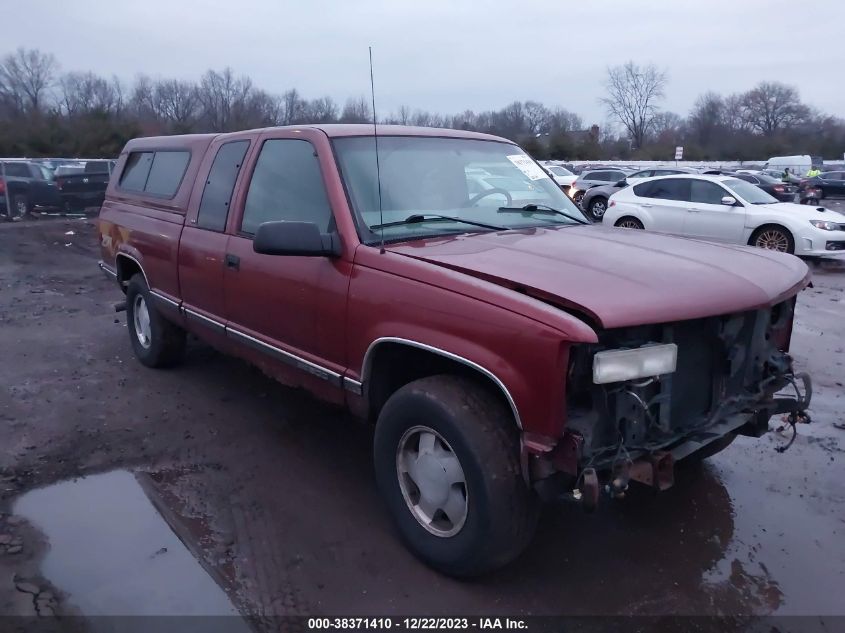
[
  {"x": 665, "y": 201},
  {"x": 709, "y": 219},
  {"x": 289, "y": 310},
  {"x": 716, "y": 222},
  {"x": 294, "y": 303},
  {"x": 202, "y": 248},
  {"x": 201, "y": 276}
]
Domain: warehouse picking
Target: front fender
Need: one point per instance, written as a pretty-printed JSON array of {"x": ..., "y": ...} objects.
[{"x": 528, "y": 358}]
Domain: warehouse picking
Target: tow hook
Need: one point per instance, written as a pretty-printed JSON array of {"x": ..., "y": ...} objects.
[{"x": 657, "y": 470}]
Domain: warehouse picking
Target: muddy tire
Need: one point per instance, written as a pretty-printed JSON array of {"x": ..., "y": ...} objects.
[
  {"x": 773, "y": 237},
  {"x": 716, "y": 446},
  {"x": 156, "y": 341},
  {"x": 445, "y": 445}
]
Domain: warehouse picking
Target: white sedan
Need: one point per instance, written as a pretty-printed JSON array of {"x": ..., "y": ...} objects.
[
  {"x": 562, "y": 176},
  {"x": 726, "y": 209}
]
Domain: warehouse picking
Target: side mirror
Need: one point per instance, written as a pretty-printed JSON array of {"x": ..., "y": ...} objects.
[
  {"x": 621, "y": 183},
  {"x": 295, "y": 238},
  {"x": 729, "y": 201}
]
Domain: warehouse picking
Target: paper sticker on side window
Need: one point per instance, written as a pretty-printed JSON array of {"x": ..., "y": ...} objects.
[{"x": 527, "y": 166}]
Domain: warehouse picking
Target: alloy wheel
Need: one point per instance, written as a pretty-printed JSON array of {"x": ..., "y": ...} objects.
[
  {"x": 629, "y": 224},
  {"x": 141, "y": 321},
  {"x": 774, "y": 240},
  {"x": 432, "y": 481}
]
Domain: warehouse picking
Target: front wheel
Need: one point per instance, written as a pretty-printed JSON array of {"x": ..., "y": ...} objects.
[
  {"x": 597, "y": 208},
  {"x": 578, "y": 197},
  {"x": 774, "y": 238},
  {"x": 447, "y": 462}
]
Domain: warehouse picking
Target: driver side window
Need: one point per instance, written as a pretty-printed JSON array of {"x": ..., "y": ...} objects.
[
  {"x": 286, "y": 185},
  {"x": 706, "y": 192}
]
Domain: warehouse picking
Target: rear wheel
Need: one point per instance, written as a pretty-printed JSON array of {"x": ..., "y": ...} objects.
[
  {"x": 156, "y": 341},
  {"x": 598, "y": 206},
  {"x": 20, "y": 206},
  {"x": 629, "y": 223},
  {"x": 446, "y": 457},
  {"x": 773, "y": 237},
  {"x": 579, "y": 195}
]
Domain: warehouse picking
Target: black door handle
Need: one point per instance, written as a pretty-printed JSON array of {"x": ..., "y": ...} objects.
[{"x": 233, "y": 262}]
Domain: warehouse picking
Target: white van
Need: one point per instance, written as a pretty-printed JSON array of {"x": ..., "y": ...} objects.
[{"x": 799, "y": 165}]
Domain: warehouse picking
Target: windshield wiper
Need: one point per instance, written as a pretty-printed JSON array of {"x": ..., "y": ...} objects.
[
  {"x": 424, "y": 217},
  {"x": 540, "y": 208}
]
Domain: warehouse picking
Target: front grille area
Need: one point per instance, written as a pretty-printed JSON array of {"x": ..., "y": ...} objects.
[
  {"x": 722, "y": 368},
  {"x": 836, "y": 246}
]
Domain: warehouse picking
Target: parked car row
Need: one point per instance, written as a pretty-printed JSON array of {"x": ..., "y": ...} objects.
[{"x": 32, "y": 185}]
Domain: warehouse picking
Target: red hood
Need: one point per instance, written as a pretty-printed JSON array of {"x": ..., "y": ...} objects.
[{"x": 621, "y": 277}]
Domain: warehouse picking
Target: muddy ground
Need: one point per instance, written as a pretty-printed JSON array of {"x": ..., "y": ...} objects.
[{"x": 209, "y": 489}]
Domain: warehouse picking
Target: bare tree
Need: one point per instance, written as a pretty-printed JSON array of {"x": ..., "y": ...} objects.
[
  {"x": 219, "y": 94},
  {"x": 707, "y": 118},
  {"x": 771, "y": 106},
  {"x": 511, "y": 121},
  {"x": 322, "y": 110},
  {"x": 632, "y": 93},
  {"x": 403, "y": 115},
  {"x": 667, "y": 127},
  {"x": 84, "y": 93},
  {"x": 735, "y": 115},
  {"x": 537, "y": 117},
  {"x": 292, "y": 108},
  {"x": 561, "y": 120},
  {"x": 356, "y": 110},
  {"x": 25, "y": 77},
  {"x": 176, "y": 103}
]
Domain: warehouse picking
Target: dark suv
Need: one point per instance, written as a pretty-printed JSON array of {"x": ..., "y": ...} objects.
[{"x": 25, "y": 186}]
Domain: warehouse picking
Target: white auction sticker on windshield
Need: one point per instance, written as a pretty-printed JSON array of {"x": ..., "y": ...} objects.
[{"x": 527, "y": 166}]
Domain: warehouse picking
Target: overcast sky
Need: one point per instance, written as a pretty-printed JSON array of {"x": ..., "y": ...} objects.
[{"x": 447, "y": 56}]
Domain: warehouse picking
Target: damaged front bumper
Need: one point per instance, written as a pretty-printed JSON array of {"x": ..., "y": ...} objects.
[{"x": 732, "y": 376}]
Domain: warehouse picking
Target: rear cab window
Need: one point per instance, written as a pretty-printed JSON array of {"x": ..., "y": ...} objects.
[
  {"x": 157, "y": 173},
  {"x": 17, "y": 170},
  {"x": 217, "y": 193}
]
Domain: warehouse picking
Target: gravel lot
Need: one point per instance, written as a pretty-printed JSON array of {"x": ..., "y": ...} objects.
[{"x": 209, "y": 489}]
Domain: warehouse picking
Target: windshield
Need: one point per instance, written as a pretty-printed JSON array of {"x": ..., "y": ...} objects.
[
  {"x": 559, "y": 171},
  {"x": 466, "y": 179},
  {"x": 748, "y": 192}
]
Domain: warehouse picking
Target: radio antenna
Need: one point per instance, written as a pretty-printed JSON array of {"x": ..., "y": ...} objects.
[{"x": 378, "y": 166}]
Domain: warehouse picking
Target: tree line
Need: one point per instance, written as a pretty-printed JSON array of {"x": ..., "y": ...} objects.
[{"x": 46, "y": 112}]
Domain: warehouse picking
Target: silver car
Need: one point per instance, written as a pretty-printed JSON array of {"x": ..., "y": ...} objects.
[{"x": 594, "y": 178}]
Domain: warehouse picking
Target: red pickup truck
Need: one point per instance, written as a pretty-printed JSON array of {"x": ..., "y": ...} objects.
[{"x": 439, "y": 284}]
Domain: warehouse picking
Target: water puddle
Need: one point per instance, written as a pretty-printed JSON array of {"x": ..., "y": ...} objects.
[{"x": 113, "y": 554}]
